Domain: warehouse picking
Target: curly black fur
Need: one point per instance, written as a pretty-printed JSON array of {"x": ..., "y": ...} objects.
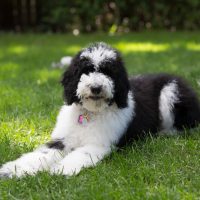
[
  {"x": 146, "y": 90},
  {"x": 55, "y": 144}
]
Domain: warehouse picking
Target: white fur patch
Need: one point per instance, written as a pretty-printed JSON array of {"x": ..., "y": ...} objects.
[
  {"x": 85, "y": 156},
  {"x": 95, "y": 79},
  {"x": 30, "y": 163},
  {"x": 98, "y": 54},
  {"x": 168, "y": 97}
]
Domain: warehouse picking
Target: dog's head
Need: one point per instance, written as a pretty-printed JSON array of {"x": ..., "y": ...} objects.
[{"x": 96, "y": 78}]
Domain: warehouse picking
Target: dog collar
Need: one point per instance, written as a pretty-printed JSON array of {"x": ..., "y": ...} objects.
[{"x": 83, "y": 119}]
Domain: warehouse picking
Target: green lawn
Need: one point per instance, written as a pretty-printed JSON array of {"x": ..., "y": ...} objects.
[{"x": 30, "y": 98}]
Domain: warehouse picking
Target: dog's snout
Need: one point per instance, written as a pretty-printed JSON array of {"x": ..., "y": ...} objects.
[{"x": 96, "y": 89}]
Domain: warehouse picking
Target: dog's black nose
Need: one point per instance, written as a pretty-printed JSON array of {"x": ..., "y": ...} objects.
[{"x": 96, "y": 89}]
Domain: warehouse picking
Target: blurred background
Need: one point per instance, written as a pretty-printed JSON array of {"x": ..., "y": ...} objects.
[{"x": 77, "y": 16}]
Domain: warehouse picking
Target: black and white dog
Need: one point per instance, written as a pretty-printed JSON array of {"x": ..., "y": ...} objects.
[{"x": 104, "y": 109}]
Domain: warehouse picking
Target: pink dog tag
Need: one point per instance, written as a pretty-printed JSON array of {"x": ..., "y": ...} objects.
[{"x": 83, "y": 119}]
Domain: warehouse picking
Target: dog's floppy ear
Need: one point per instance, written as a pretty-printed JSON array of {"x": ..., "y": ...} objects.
[
  {"x": 122, "y": 85},
  {"x": 70, "y": 81}
]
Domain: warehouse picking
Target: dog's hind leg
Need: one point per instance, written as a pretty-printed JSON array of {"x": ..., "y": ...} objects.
[
  {"x": 30, "y": 163},
  {"x": 187, "y": 110}
]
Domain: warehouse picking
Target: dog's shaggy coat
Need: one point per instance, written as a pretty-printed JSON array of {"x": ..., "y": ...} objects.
[{"x": 105, "y": 109}]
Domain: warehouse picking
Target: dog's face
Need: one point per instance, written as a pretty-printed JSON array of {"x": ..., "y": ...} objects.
[{"x": 96, "y": 79}]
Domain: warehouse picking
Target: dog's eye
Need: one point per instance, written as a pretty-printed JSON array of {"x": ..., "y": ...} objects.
[
  {"x": 87, "y": 69},
  {"x": 106, "y": 70},
  {"x": 106, "y": 67}
]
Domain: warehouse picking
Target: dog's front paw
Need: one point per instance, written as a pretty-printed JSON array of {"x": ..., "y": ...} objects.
[
  {"x": 7, "y": 170},
  {"x": 13, "y": 169},
  {"x": 61, "y": 169},
  {"x": 57, "y": 169},
  {"x": 5, "y": 174}
]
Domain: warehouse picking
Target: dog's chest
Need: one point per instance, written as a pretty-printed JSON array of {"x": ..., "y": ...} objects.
[{"x": 89, "y": 128}]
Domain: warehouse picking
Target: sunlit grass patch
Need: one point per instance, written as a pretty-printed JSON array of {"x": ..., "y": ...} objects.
[
  {"x": 17, "y": 49},
  {"x": 128, "y": 47},
  {"x": 13, "y": 50},
  {"x": 44, "y": 75},
  {"x": 29, "y": 133},
  {"x": 193, "y": 46},
  {"x": 9, "y": 67},
  {"x": 72, "y": 49}
]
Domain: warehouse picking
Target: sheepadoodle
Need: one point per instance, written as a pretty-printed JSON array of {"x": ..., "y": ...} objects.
[{"x": 104, "y": 109}]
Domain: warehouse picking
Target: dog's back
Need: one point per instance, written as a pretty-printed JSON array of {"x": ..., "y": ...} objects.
[{"x": 163, "y": 102}]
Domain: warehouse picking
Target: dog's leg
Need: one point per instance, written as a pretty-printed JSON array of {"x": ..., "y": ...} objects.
[
  {"x": 80, "y": 158},
  {"x": 30, "y": 163},
  {"x": 43, "y": 157}
]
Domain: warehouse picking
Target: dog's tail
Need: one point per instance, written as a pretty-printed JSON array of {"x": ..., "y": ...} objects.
[{"x": 64, "y": 62}]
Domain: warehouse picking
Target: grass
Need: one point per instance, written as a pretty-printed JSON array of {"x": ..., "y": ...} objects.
[{"x": 30, "y": 98}]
